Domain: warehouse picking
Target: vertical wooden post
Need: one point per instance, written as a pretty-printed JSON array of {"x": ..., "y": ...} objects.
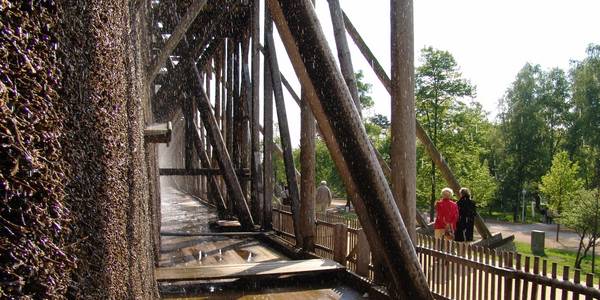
[
  {"x": 244, "y": 109},
  {"x": 268, "y": 131},
  {"x": 257, "y": 203},
  {"x": 308, "y": 171},
  {"x": 340, "y": 243},
  {"x": 307, "y": 180},
  {"x": 362, "y": 254},
  {"x": 228, "y": 118},
  {"x": 284, "y": 133},
  {"x": 230, "y": 95},
  {"x": 343, "y": 51},
  {"x": 403, "y": 152},
  {"x": 237, "y": 107}
]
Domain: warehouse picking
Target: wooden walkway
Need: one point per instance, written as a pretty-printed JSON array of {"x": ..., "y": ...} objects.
[{"x": 265, "y": 269}]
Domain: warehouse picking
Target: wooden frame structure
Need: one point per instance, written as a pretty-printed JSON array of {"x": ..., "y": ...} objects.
[{"x": 221, "y": 40}]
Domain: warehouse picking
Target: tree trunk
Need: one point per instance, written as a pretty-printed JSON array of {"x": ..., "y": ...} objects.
[{"x": 432, "y": 200}]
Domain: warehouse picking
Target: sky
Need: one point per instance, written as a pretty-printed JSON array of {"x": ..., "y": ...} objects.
[{"x": 490, "y": 40}]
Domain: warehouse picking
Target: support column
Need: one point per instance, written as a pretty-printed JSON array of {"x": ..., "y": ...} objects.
[
  {"x": 257, "y": 202},
  {"x": 308, "y": 171},
  {"x": 268, "y": 132},
  {"x": 284, "y": 133},
  {"x": 403, "y": 152}
]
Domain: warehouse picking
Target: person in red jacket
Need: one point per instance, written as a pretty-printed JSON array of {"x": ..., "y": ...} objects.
[{"x": 446, "y": 212}]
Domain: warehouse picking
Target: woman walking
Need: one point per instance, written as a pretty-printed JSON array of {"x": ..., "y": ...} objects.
[
  {"x": 446, "y": 215},
  {"x": 466, "y": 217}
]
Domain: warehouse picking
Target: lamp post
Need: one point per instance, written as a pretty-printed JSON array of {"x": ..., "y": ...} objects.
[{"x": 523, "y": 209}]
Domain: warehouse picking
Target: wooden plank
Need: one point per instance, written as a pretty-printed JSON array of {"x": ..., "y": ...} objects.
[
  {"x": 347, "y": 141},
  {"x": 565, "y": 293},
  {"x": 284, "y": 134},
  {"x": 536, "y": 271},
  {"x": 589, "y": 282},
  {"x": 267, "y": 133},
  {"x": 158, "y": 133},
  {"x": 340, "y": 243},
  {"x": 214, "y": 135},
  {"x": 576, "y": 280},
  {"x": 250, "y": 270},
  {"x": 362, "y": 254},
  {"x": 179, "y": 32}
]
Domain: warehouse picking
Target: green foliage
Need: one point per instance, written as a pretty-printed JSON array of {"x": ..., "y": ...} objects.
[
  {"x": 381, "y": 121},
  {"x": 585, "y": 132},
  {"x": 561, "y": 182},
  {"x": 326, "y": 170},
  {"x": 533, "y": 121},
  {"x": 582, "y": 215},
  {"x": 364, "y": 89}
]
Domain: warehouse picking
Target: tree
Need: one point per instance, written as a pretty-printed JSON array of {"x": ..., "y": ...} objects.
[
  {"x": 439, "y": 85},
  {"x": 364, "y": 90},
  {"x": 380, "y": 120},
  {"x": 561, "y": 181},
  {"x": 523, "y": 129},
  {"x": 585, "y": 76},
  {"x": 582, "y": 215}
]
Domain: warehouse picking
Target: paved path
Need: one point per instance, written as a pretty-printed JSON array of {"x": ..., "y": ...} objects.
[{"x": 568, "y": 239}]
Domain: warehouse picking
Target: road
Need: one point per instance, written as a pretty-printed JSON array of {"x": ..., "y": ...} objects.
[{"x": 568, "y": 239}]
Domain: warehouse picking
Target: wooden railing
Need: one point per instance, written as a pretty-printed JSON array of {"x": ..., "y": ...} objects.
[{"x": 453, "y": 270}]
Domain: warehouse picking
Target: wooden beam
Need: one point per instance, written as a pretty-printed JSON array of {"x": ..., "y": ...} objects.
[
  {"x": 158, "y": 133},
  {"x": 348, "y": 144},
  {"x": 284, "y": 134},
  {"x": 214, "y": 135},
  {"x": 256, "y": 180},
  {"x": 267, "y": 132},
  {"x": 230, "y": 95},
  {"x": 175, "y": 38},
  {"x": 307, "y": 180},
  {"x": 343, "y": 51},
  {"x": 403, "y": 150},
  {"x": 199, "y": 172},
  {"x": 308, "y": 168},
  {"x": 245, "y": 110},
  {"x": 430, "y": 148}
]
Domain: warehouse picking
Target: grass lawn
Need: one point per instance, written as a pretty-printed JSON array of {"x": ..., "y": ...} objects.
[{"x": 563, "y": 258}]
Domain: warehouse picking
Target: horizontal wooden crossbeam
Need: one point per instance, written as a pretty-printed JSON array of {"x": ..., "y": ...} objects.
[
  {"x": 314, "y": 267},
  {"x": 198, "y": 171},
  {"x": 158, "y": 133}
]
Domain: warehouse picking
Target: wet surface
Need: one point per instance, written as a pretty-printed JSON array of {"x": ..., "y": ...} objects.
[{"x": 182, "y": 213}]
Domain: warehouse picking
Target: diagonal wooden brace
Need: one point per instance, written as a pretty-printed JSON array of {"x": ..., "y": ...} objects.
[{"x": 216, "y": 139}]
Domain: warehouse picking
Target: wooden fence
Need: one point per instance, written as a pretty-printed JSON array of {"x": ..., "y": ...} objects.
[{"x": 453, "y": 270}]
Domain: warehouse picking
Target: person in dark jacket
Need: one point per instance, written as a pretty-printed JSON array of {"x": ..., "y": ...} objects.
[{"x": 466, "y": 217}]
